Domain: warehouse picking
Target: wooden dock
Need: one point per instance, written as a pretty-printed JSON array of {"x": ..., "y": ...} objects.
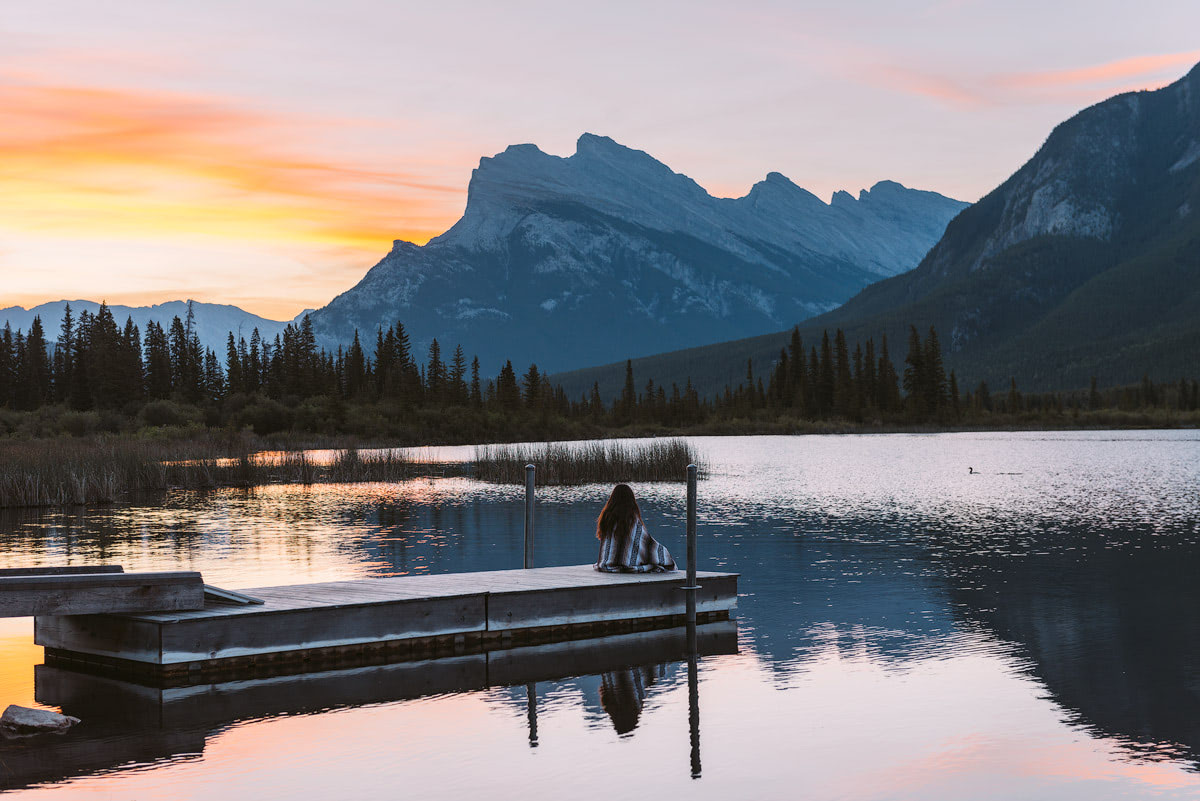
[{"x": 369, "y": 621}]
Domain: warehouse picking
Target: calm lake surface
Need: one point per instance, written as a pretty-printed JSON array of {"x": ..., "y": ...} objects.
[{"x": 905, "y": 631}]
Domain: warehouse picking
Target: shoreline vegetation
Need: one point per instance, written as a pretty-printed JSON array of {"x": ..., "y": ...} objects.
[
  {"x": 100, "y": 412},
  {"x": 102, "y": 470},
  {"x": 106, "y": 468}
]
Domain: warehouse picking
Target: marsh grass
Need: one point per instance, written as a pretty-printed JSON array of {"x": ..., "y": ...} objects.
[
  {"x": 586, "y": 463},
  {"x": 65, "y": 472}
]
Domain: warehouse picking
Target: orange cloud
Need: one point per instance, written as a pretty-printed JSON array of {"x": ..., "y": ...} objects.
[
  {"x": 1125, "y": 69},
  {"x": 125, "y": 162}
]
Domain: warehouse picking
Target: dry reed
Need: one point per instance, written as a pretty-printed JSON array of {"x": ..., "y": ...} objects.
[
  {"x": 80, "y": 472},
  {"x": 586, "y": 463}
]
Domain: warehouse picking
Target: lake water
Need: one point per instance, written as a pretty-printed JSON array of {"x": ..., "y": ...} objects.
[{"x": 906, "y": 630}]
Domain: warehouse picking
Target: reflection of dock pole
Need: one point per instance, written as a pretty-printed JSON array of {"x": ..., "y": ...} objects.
[
  {"x": 530, "y": 471},
  {"x": 690, "y": 589},
  {"x": 531, "y": 702},
  {"x": 694, "y": 708}
]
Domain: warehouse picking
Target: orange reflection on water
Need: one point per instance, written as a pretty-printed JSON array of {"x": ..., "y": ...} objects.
[{"x": 18, "y": 655}]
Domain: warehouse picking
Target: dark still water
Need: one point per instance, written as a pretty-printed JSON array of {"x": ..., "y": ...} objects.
[{"x": 907, "y": 630}]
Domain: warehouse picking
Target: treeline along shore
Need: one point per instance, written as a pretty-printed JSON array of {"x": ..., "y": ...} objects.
[{"x": 98, "y": 377}]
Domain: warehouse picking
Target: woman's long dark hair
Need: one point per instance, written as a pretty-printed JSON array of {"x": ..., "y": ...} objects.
[{"x": 620, "y": 513}]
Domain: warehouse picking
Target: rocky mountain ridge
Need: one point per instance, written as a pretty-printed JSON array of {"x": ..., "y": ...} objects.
[{"x": 608, "y": 252}]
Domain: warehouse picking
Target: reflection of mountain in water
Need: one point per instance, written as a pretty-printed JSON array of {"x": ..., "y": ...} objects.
[{"x": 1113, "y": 632}]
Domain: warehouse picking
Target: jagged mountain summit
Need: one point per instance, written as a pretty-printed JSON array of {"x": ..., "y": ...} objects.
[
  {"x": 608, "y": 253},
  {"x": 213, "y": 321},
  {"x": 1085, "y": 262}
]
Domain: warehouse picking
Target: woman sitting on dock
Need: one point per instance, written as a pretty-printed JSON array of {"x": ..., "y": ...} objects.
[{"x": 625, "y": 545}]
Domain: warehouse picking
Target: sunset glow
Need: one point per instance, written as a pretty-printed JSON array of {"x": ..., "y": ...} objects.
[{"x": 161, "y": 155}]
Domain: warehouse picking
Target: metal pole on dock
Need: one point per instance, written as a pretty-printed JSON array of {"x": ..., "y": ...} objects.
[
  {"x": 530, "y": 472},
  {"x": 691, "y": 587}
]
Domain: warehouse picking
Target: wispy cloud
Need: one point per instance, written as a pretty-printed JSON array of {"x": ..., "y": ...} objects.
[
  {"x": 925, "y": 84},
  {"x": 1074, "y": 85},
  {"x": 1124, "y": 71}
]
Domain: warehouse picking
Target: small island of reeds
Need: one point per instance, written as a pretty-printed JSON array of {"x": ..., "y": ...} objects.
[
  {"x": 65, "y": 472},
  {"x": 565, "y": 463}
]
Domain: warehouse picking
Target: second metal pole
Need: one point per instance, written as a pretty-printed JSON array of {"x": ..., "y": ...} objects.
[
  {"x": 691, "y": 587},
  {"x": 530, "y": 471}
]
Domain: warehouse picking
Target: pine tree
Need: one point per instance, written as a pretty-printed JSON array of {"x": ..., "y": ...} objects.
[
  {"x": 233, "y": 365},
  {"x": 888, "y": 387},
  {"x": 628, "y": 404},
  {"x": 870, "y": 379},
  {"x": 458, "y": 377},
  {"x": 34, "y": 368},
  {"x": 531, "y": 385},
  {"x": 355, "y": 368},
  {"x": 157, "y": 360},
  {"x": 476, "y": 393},
  {"x": 64, "y": 352},
  {"x": 915, "y": 380},
  {"x": 842, "y": 387},
  {"x": 596, "y": 403},
  {"x": 827, "y": 379},
  {"x": 935, "y": 374},
  {"x": 435, "y": 375},
  {"x": 1014, "y": 397},
  {"x": 8, "y": 368},
  {"x": 508, "y": 394}
]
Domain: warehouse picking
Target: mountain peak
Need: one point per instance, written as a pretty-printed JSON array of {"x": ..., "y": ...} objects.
[{"x": 595, "y": 143}]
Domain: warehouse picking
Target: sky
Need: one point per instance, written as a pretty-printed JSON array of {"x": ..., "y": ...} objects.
[{"x": 266, "y": 153}]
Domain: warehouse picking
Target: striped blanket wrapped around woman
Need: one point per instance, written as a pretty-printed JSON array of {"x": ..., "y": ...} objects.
[{"x": 637, "y": 552}]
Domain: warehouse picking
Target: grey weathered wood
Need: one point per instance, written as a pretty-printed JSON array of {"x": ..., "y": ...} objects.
[
  {"x": 62, "y": 570},
  {"x": 212, "y": 593},
  {"x": 349, "y": 613},
  {"x": 99, "y": 593},
  {"x": 628, "y": 600}
]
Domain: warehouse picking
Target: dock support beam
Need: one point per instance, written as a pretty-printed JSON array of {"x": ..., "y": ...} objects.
[{"x": 530, "y": 472}]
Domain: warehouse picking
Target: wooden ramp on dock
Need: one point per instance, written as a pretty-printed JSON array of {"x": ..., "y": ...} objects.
[{"x": 304, "y": 627}]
